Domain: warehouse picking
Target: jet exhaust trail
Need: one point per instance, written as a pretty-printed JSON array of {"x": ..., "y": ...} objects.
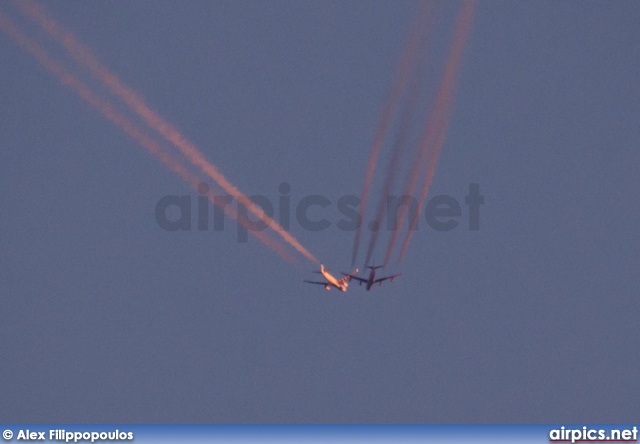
[
  {"x": 394, "y": 165},
  {"x": 387, "y": 114},
  {"x": 84, "y": 56},
  {"x": 443, "y": 109},
  {"x": 109, "y": 112},
  {"x": 432, "y": 138}
]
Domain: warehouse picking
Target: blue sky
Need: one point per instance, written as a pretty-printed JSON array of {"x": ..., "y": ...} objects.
[{"x": 533, "y": 318}]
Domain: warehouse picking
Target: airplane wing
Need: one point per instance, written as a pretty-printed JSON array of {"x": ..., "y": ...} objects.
[
  {"x": 314, "y": 282},
  {"x": 377, "y": 281},
  {"x": 350, "y": 276}
]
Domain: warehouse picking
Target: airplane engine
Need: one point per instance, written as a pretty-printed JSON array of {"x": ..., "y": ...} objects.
[
  {"x": 326, "y": 287},
  {"x": 392, "y": 280}
]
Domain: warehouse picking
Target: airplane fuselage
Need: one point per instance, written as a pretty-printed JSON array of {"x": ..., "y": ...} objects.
[
  {"x": 372, "y": 279},
  {"x": 341, "y": 285},
  {"x": 331, "y": 281}
]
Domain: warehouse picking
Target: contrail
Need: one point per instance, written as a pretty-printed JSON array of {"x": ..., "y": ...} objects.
[
  {"x": 442, "y": 112},
  {"x": 394, "y": 164},
  {"x": 85, "y": 57},
  {"x": 386, "y": 116},
  {"x": 108, "y": 111},
  {"x": 409, "y": 189}
]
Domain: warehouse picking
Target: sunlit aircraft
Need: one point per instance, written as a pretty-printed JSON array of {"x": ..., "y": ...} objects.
[
  {"x": 372, "y": 277},
  {"x": 331, "y": 281}
]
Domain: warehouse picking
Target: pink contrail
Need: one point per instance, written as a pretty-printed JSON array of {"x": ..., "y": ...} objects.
[
  {"x": 85, "y": 57},
  {"x": 109, "y": 112},
  {"x": 387, "y": 114},
  {"x": 453, "y": 63},
  {"x": 410, "y": 186},
  {"x": 435, "y": 131},
  {"x": 394, "y": 164}
]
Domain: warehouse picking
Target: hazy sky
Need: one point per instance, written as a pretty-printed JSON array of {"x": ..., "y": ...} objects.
[{"x": 106, "y": 317}]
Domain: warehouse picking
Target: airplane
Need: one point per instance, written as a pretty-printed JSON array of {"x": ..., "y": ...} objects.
[
  {"x": 331, "y": 281},
  {"x": 372, "y": 277}
]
